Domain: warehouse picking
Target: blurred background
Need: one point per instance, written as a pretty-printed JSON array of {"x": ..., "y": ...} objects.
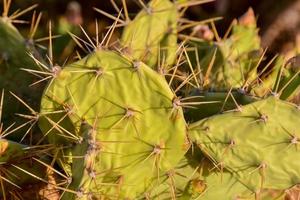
[{"x": 278, "y": 20}]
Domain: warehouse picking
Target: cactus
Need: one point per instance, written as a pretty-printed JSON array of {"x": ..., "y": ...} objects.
[
  {"x": 114, "y": 128},
  {"x": 232, "y": 61},
  {"x": 220, "y": 102},
  {"x": 258, "y": 143},
  {"x": 195, "y": 177},
  {"x": 288, "y": 78},
  {"x": 136, "y": 123},
  {"x": 19, "y": 167},
  {"x": 14, "y": 55},
  {"x": 268, "y": 82},
  {"x": 152, "y": 36}
]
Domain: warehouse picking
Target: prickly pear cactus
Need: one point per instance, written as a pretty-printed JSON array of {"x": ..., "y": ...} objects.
[
  {"x": 152, "y": 36},
  {"x": 136, "y": 127},
  {"x": 17, "y": 167},
  {"x": 196, "y": 178},
  {"x": 289, "y": 79},
  {"x": 215, "y": 103},
  {"x": 232, "y": 61},
  {"x": 258, "y": 143},
  {"x": 14, "y": 55},
  {"x": 269, "y": 81}
]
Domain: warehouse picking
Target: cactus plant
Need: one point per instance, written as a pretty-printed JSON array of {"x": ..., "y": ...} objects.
[
  {"x": 17, "y": 53},
  {"x": 229, "y": 62},
  {"x": 19, "y": 167},
  {"x": 131, "y": 105},
  {"x": 288, "y": 78},
  {"x": 221, "y": 102},
  {"x": 152, "y": 35},
  {"x": 258, "y": 143},
  {"x": 114, "y": 128}
]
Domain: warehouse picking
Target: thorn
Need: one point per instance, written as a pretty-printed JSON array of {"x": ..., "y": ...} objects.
[
  {"x": 6, "y": 6},
  {"x": 25, "y": 104},
  {"x": 144, "y": 6},
  {"x": 209, "y": 68},
  {"x": 127, "y": 19},
  {"x": 87, "y": 36},
  {"x": 176, "y": 67},
  {"x": 97, "y": 33},
  {"x": 109, "y": 15},
  {"x": 34, "y": 24},
  {"x": 1, "y": 105},
  {"x": 229, "y": 29},
  {"x": 191, "y": 24},
  {"x": 16, "y": 15},
  {"x": 193, "y": 3},
  {"x": 191, "y": 67},
  {"x": 216, "y": 34},
  {"x": 255, "y": 68}
]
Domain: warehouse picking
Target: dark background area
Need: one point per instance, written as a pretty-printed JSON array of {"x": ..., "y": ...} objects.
[{"x": 278, "y": 20}]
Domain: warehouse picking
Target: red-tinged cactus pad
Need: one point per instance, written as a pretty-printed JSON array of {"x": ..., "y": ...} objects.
[
  {"x": 139, "y": 131},
  {"x": 152, "y": 35},
  {"x": 259, "y": 143},
  {"x": 10, "y": 150}
]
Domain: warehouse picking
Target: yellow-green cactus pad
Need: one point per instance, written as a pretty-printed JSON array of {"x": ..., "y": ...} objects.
[
  {"x": 152, "y": 35},
  {"x": 196, "y": 178},
  {"x": 259, "y": 143},
  {"x": 138, "y": 129}
]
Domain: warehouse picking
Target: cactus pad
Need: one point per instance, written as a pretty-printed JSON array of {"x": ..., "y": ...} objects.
[
  {"x": 136, "y": 126},
  {"x": 258, "y": 144},
  {"x": 152, "y": 35},
  {"x": 14, "y": 51}
]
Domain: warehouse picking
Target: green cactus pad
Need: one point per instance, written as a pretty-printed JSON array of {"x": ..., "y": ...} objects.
[
  {"x": 258, "y": 144},
  {"x": 17, "y": 168},
  {"x": 138, "y": 127},
  {"x": 234, "y": 59},
  {"x": 14, "y": 51},
  {"x": 268, "y": 81},
  {"x": 10, "y": 150},
  {"x": 196, "y": 178},
  {"x": 152, "y": 35},
  {"x": 289, "y": 83}
]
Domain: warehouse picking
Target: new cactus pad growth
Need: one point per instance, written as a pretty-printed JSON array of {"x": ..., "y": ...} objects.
[{"x": 232, "y": 61}]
